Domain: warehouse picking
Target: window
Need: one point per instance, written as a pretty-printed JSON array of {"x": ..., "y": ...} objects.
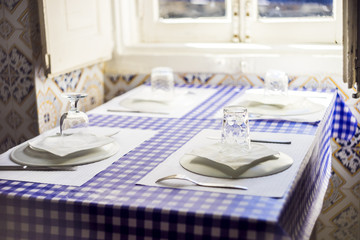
[
  {"x": 262, "y": 21},
  {"x": 184, "y": 21},
  {"x": 228, "y": 36},
  {"x": 295, "y": 21}
]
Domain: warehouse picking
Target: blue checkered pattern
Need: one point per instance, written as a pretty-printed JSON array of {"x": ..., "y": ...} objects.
[{"x": 112, "y": 206}]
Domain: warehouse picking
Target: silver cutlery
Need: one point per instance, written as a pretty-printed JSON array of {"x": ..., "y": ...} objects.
[
  {"x": 36, "y": 168},
  {"x": 202, "y": 184},
  {"x": 136, "y": 111},
  {"x": 257, "y": 140},
  {"x": 268, "y": 141}
]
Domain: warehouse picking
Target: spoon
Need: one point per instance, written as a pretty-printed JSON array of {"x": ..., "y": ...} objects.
[{"x": 202, "y": 184}]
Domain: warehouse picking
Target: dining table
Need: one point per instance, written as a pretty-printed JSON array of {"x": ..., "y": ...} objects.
[{"x": 118, "y": 197}]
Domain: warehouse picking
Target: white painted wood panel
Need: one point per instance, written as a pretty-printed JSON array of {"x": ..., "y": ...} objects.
[{"x": 75, "y": 33}]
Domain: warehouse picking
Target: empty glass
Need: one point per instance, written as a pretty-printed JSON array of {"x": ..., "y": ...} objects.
[
  {"x": 276, "y": 82},
  {"x": 235, "y": 128},
  {"x": 162, "y": 83},
  {"x": 73, "y": 121}
]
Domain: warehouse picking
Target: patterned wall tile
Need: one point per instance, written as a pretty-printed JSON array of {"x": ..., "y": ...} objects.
[
  {"x": 49, "y": 109},
  {"x": 13, "y": 10},
  {"x": 348, "y": 217},
  {"x": 22, "y": 87},
  {"x": 11, "y": 5},
  {"x": 334, "y": 195},
  {"x": 68, "y": 82},
  {"x": 197, "y": 78},
  {"x": 4, "y": 60},
  {"x": 7, "y": 140},
  {"x": 117, "y": 84},
  {"x": 356, "y": 189},
  {"x": 27, "y": 130},
  {"x": 5, "y": 90},
  {"x": 19, "y": 62},
  {"x": 6, "y": 29},
  {"x": 92, "y": 83},
  {"x": 14, "y": 119},
  {"x": 334, "y": 216},
  {"x": 346, "y": 158},
  {"x": 357, "y": 106},
  {"x": 24, "y": 18}
]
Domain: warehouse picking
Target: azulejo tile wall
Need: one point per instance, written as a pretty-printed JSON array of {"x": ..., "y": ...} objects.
[{"x": 17, "y": 89}]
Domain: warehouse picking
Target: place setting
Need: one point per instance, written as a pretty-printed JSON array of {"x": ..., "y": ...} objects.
[
  {"x": 75, "y": 144},
  {"x": 233, "y": 160},
  {"x": 162, "y": 97},
  {"x": 276, "y": 102},
  {"x": 72, "y": 153}
]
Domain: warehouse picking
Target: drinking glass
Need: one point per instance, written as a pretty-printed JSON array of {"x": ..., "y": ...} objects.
[
  {"x": 235, "y": 128},
  {"x": 162, "y": 83},
  {"x": 73, "y": 121},
  {"x": 276, "y": 82}
]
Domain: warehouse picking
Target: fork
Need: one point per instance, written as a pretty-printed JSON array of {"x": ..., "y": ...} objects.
[{"x": 202, "y": 184}]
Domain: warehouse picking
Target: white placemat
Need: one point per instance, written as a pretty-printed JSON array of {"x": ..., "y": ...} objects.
[
  {"x": 185, "y": 99},
  {"x": 128, "y": 139},
  {"x": 269, "y": 186}
]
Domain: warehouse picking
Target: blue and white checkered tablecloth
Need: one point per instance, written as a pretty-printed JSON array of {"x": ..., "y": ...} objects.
[{"x": 112, "y": 206}]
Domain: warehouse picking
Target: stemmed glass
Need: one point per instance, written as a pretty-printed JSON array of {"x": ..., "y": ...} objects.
[{"x": 73, "y": 121}]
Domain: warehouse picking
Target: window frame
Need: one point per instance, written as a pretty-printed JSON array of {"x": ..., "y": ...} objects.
[
  {"x": 157, "y": 30},
  {"x": 294, "y": 30}
]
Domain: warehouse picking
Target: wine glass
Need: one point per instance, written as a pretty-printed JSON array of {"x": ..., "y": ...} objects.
[{"x": 73, "y": 121}]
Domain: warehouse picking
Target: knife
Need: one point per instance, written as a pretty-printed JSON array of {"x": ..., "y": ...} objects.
[
  {"x": 136, "y": 111},
  {"x": 269, "y": 141},
  {"x": 37, "y": 168},
  {"x": 257, "y": 140}
]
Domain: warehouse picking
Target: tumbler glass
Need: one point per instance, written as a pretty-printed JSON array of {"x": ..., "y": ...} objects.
[
  {"x": 235, "y": 128},
  {"x": 162, "y": 83},
  {"x": 276, "y": 82}
]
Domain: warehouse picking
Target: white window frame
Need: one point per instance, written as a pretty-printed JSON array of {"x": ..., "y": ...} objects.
[
  {"x": 132, "y": 55},
  {"x": 182, "y": 30},
  {"x": 325, "y": 30}
]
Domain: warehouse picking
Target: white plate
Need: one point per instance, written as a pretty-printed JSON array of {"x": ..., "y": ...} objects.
[
  {"x": 24, "y": 155},
  {"x": 65, "y": 145},
  {"x": 299, "y": 108},
  {"x": 205, "y": 167},
  {"x": 277, "y": 100},
  {"x": 146, "y": 105}
]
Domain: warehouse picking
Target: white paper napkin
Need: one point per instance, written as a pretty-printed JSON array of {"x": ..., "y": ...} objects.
[
  {"x": 233, "y": 157},
  {"x": 65, "y": 145}
]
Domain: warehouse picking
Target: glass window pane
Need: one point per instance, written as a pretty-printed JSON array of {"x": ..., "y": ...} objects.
[
  {"x": 171, "y": 9},
  {"x": 295, "y": 8}
]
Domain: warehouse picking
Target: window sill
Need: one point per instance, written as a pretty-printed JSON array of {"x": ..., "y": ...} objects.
[{"x": 231, "y": 58}]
